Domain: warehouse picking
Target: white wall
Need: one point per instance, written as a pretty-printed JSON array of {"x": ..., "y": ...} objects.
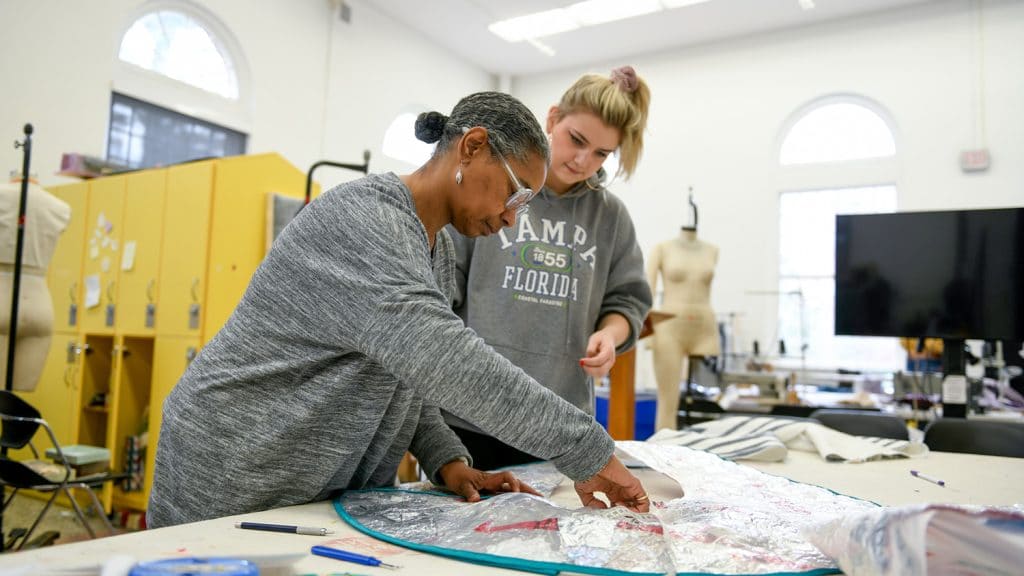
[
  {"x": 57, "y": 61},
  {"x": 717, "y": 112},
  {"x": 389, "y": 68}
]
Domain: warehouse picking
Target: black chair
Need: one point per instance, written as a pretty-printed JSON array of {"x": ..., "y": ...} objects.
[
  {"x": 989, "y": 437},
  {"x": 792, "y": 410},
  {"x": 695, "y": 410},
  {"x": 20, "y": 421},
  {"x": 863, "y": 423}
]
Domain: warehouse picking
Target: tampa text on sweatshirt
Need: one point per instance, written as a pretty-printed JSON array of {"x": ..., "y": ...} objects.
[
  {"x": 336, "y": 361},
  {"x": 536, "y": 291}
]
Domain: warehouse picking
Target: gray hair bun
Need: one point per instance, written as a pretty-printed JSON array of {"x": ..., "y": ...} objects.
[{"x": 430, "y": 126}]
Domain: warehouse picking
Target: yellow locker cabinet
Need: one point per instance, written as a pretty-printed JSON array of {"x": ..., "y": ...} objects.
[{"x": 150, "y": 267}]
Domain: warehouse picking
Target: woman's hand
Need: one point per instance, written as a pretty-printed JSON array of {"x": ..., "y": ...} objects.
[
  {"x": 469, "y": 482},
  {"x": 618, "y": 484},
  {"x": 600, "y": 354}
]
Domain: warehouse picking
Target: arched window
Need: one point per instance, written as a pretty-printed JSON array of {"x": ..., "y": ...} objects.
[
  {"x": 179, "y": 88},
  {"x": 837, "y": 131},
  {"x": 836, "y": 157},
  {"x": 177, "y": 45}
]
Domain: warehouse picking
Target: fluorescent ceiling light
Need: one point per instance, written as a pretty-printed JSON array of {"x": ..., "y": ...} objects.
[
  {"x": 681, "y": 3},
  {"x": 806, "y": 4},
  {"x": 600, "y": 11},
  {"x": 587, "y": 13},
  {"x": 534, "y": 25}
]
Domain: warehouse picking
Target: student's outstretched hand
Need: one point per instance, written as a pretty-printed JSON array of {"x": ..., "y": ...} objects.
[
  {"x": 618, "y": 484},
  {"x": 600, "y": 354},
  {"x": 469, "y": 482}
]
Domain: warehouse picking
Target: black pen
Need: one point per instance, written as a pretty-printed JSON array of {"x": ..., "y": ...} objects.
[{"x": 306, "y": 530}]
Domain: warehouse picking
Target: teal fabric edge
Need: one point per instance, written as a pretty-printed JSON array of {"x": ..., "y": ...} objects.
[{"x": 533, "y": 566}]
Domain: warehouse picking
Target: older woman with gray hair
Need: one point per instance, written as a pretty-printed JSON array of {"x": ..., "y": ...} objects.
[{"x": 344, "y": 347}]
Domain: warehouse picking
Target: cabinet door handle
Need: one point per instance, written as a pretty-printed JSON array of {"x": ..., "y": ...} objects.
[
  {"x": 149, "y": 290},
  {"x": 74, "y": 351},
  {"x": 73, "y": 292},
  {"x": 195, "y": 289},
  {"x": 110, "y": 292}
]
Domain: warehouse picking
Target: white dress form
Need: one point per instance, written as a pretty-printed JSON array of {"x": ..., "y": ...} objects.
[
  {"x": 46, "y": 216},
  {"x": 686, "y": 266}
]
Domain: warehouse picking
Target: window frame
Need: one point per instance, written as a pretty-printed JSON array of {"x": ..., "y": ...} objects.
[
  {"x": 175, "y": 95},
  {"x": 178, "y": 119},
  {"x": 824, "y": 176},
  {"x": 788, "y": 298}
]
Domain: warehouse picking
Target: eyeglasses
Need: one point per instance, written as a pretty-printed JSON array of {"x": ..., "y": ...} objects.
[{"x": 518, "y": 201}]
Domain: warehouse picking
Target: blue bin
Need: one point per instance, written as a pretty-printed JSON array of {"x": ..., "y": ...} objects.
[{"x": 646, "y": 403}]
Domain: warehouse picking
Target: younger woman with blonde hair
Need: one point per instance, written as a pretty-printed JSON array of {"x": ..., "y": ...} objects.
[{"x": 563, "y": 290}]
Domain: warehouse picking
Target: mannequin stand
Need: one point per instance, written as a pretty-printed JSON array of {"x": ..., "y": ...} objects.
[
  {"x": 696, "y": 410},
  {"x": 688, "y": 391},
  {"x": 12, "y": 336}
]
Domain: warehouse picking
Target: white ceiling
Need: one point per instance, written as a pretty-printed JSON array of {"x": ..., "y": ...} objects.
[{"x": 461, "y": 26}]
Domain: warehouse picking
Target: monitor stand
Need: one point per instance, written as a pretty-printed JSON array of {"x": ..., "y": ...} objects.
[{"x": 954, "y": 381}]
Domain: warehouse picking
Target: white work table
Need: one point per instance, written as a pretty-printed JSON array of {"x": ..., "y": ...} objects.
[{"x": 970, "y": 479}]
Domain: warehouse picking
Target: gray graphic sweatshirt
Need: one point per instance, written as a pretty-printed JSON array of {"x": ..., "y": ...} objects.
[
  {"x": 536, "y": 291},
  {"x": 336, "y": 361}
]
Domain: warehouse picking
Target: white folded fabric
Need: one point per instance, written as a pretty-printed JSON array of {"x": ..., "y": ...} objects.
[{"x": 768, "y": 439}]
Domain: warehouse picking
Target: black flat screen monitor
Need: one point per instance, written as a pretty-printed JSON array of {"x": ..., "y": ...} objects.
[{"x": 954, "y": 275}]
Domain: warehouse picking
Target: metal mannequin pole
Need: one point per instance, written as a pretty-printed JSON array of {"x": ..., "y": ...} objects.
[{"x": 12, "y": 335}]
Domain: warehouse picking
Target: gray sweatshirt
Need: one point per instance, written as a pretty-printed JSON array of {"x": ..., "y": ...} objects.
[
  {"x": 336, "y": 361},
  {"x": 536, "y": 291}
]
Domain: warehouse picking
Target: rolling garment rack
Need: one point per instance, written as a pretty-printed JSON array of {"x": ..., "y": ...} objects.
[{"x": 364, "y": 168}]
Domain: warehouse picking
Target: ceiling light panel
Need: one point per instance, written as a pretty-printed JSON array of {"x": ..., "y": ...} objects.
[
  {"x": 594, "y": 12},
  {"x": 536, "y": 25}
]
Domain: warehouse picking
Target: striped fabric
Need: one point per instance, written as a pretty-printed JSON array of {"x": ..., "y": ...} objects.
[{"x": 768, "y": 439}]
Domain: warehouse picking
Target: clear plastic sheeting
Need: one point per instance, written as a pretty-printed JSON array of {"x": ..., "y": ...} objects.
[
  {"x": 732, "y": 520},
  {"x": 542, "y": 477},
  {"x": 735, "y": 519},
  {"x": 926, "y": 539},
  {"x": 520, "y": 526}
]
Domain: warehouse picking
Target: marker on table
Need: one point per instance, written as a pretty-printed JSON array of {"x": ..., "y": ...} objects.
[
  {"x": 305, "y": 530},
  {"x": 350, "y": 557},
  {"x": 931, "y": 479}
]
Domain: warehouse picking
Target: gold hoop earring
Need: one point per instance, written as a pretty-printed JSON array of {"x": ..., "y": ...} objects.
[{"x": 591, "y": 186}]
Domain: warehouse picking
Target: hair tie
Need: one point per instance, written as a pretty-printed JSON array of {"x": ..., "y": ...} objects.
[{"x": 625, "y": 78}]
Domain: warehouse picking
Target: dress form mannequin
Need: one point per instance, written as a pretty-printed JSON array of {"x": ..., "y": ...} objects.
[
  {"x": 45, "y": 218},
  {"x": 686, "y": 265}
]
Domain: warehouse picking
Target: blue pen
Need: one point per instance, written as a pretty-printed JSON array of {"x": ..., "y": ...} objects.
[{"x": 350, "y": 557}]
